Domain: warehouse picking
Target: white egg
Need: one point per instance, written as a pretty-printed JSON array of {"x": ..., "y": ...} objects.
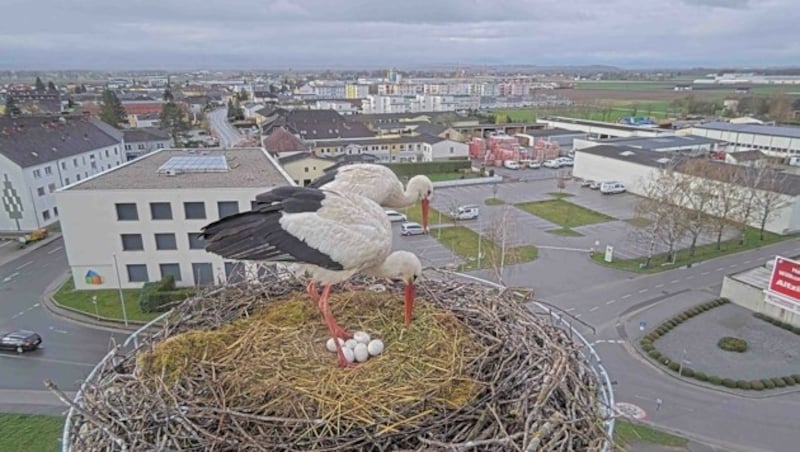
[
  {"x": 375, "y": 347},
  {"x": 362, "y": 337},
  {"x": 350, "y": 343},
  {"x": 331, "y": 346},
  {"x": 361, "y": 353},
  {"x": 348, "y": 354}
]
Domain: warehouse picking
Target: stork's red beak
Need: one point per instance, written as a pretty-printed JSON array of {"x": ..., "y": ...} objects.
[
  {"x": 425, "y": 208},
  {"x": 409, "y": 302}
]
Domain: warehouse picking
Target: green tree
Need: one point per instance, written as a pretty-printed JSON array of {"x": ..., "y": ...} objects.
[
  {"x": 111, "y": 110},
  {"x": 83, "y": 88},
  {"x": 11, "y": 107},
  {"x": 168, "y": 97},
  {"x": 172, "y": 119},
  {"x": 51, "y": 86},
  {"x": 39, "y": 84}
]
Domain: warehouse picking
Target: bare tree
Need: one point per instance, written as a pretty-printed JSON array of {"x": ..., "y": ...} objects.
[
  {"x": 769, "y": 199},
  {"x": 723, "y": 184},
  {"x": 500, "y": 233},
  {"x": 696, "y": 195}
]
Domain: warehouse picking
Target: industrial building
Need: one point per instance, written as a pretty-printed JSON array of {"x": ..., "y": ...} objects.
[
  {"x": 602, "y": 130},
  {"x": 141, "y": 221},
  {"x": 775, "y": 141},
  {"x": 684, "y": 144},
  {"x": 749, "y": 289}
]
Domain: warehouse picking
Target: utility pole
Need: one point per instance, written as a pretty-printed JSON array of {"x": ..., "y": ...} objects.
[{"x": 121, "y": 295}]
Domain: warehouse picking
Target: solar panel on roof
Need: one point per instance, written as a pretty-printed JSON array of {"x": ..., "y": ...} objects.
[{"x": 195, "y": 164}]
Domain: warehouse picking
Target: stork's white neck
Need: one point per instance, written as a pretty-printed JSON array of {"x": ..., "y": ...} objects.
[{"x": 400, "y": 197}]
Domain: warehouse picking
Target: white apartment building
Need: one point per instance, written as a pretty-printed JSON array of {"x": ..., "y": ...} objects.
[
  {"x": 41, "y": 154},
  {"x": 142, "y": 220}
]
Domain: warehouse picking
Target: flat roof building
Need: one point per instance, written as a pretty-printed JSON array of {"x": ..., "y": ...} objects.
[
  {"x": 142, "y": 220},
  {"x": 775, "y": 141}
]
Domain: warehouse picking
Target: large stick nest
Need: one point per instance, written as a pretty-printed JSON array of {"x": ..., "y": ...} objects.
[{"x": 246, "y": 368}]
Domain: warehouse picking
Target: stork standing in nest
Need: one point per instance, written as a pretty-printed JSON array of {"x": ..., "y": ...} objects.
[{"x": 334, "y": 235}]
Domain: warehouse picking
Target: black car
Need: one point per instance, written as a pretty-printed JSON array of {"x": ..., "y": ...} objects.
[{"x": 20, "y": 341}]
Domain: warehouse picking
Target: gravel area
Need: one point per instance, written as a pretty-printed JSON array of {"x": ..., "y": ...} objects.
[{"x": 772, "y": 351}]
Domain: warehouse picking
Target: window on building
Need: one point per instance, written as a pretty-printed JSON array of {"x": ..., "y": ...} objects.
[
  {"x": 116, "y": 151},
  {"x": 141, "y": 146},
  {"x": 63, "y": 165},
  {"x": 37, "y": 174},
  {"x": 85, "y": 174},
  {"x": 194, "y": 210},
  {"x": 75, "y": 162},
  {"x": 173, "y": 270},
  {"x": 48, "y": 170},
  {"x": 196, "y": 241},
  {"x": 128, "y": 147},
  {"x": 227, "y": 208},
  {"x": 127, "y": 212},
  {"x": 78, "y": 177},
  {"x": 253, "y": 204},
  {"x": 107, "y": 155},
  {"x": 91, "y": 156},
  {"x": 40, "y": 191},
  {"x": 55, "y": 211},
  {"x": 132, "y": 242},
  {"x": 137, "y": 273},
  {"x": 166, "y": 241},
  {"x": 160, "y": 211},
  {"x": 46, "y": 215},
  {"x": 306, "y": 169},
  {"x": 234, "y": 272},
  {"x": 452, "y": 150},
  {"x": 94, "y": 164},
  {"x": 203, "y": 273},
  {"x": 51, "y": 187}
]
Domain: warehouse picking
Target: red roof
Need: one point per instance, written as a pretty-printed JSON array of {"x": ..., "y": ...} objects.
[
  {"x": 143, "y": 108},
  {"x": 281, "y": 140}
]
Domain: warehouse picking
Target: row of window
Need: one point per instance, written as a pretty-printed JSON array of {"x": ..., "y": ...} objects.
[
  {"x": 202, "y": 272},
  {"x": 46, "y": 213},
  {"x": 37, "y": 173},
  {"x": 163, "y": 210},
  {"x": 163, "y": 241}
]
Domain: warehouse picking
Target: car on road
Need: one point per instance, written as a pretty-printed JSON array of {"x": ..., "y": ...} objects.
[
  {"x": 510, "y": 164},
  {"x": 612, "y": 188},
  {"x": 411, "y": 228},
  {"x": 395, "y": 216},
  {"x": 466, "y": 212},
  {"x": 20, "y": 341},
  {"x": 587, "y": 183},
  {"x": 595, "y": 185},
  {"x": 535, "y": 164},
  {"x": 553, "y": 163},
  {"x": 565, "y": 161}
]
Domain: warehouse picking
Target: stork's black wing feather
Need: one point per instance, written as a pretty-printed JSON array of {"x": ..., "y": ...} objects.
[
  {"x": 258, "y": 234},
  {"x": 324, "y": 179}
]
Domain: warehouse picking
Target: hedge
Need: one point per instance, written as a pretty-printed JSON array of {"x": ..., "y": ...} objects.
[
  {"x": 413, "y": 169},
  {"x": 647, "y": 344},
  {"x": 732, "y": 344},
  {"x": 778, "y": 323},
  {"x": 156, "y": 296}
]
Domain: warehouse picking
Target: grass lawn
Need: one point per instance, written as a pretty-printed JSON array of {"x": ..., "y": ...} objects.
[
  {"x": 560, "y": 195},
  {"x": 414, "y": 213},
  {"x": 464, "y": 242},
  {"x": 494, "y": 202},
  {"x": 702, "y": 253},
  {"x": 639, "y": 222},
  {"x": 563, "y": 213},
  {"x": 23, "y": 432},
  {"x": 566, "y": 232},
  {"x": 108, "y": 304},
  {"x": 627, "y": 85},
  {"x": 626, "y": 432},
  {"x": 440, "y": 177}
]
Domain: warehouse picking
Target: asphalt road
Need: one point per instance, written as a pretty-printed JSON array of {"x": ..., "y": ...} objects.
[
  {"x": 227, "y": 134},
  {"x": 70, "y": 350}
]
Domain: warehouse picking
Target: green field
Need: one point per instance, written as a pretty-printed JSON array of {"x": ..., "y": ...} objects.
[
  {"x": 464, "y": 242},
  {"x": 614, "y": 110},
  {"x": 563, "y": 213},
  {"x": 628, "y": 85},
  {"x": 108, "y": 303},
  {"x": 628, "y": 433},
  {"x": 34, "y": 433},
  {"x": 439, "y": 177}
]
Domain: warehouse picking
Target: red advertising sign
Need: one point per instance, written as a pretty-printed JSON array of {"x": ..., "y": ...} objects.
[{"x": 785, "y": 279}]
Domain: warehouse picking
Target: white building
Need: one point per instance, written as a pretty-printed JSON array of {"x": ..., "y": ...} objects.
[
  {"x": 149, "y": 212},
  {"x": 41, "y": 154},
  {"x": 690, "y": 144},
  {"x": 635, "y": 168},
  {"x": 776, "y": 141},
  {"x": 601, "y": 129},
  {"x": 145, "y": 140}
]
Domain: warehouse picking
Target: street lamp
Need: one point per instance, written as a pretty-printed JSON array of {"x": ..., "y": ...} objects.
[
  {"x": 683, "y": 361},
  {"x": 119, "y": 286},
  {"x": 96, "y": 309}
]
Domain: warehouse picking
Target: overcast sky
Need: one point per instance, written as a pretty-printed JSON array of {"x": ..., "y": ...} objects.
[{"x": 166, "y": 34}]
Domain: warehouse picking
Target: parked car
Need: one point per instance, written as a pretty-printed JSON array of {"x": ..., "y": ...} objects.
[
  {"x": 535, "y": 164},
  {"x": 467, "y": 212},
  {"x": 587, "y": 183},
  {"x": 595, "y": 185},
  {"x": 411, "y": 228},
  {"x": 20, "y": 341},
  {"x": 510, "y": 164},
  {"x": 396, "y": 216},
  {"x": 565, "y": 161},
  {"x": 551, "y": 164},
  {"x": 611, "y": 188}
]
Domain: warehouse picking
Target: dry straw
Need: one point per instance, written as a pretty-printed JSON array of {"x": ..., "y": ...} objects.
[{"x": 247, "y": 369}]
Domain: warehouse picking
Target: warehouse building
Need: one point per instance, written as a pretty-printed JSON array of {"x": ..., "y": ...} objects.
[{"x": 775, "y": 141}]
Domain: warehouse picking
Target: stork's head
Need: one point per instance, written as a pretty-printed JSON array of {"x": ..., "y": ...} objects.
[
  {"x": 406, "y": 266},
  {"x": 421, "y": 188}
]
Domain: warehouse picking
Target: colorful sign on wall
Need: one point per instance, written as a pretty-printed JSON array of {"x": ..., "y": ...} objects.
[{"x": 93, "y": 278}]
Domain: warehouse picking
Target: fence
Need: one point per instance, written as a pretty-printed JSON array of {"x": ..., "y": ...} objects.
[{"x": 604, "y": 383}]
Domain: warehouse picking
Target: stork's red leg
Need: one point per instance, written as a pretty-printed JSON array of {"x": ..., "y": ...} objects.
[
  {"x": 312, "y": 291},
  {"x": 331, "y": 322}
]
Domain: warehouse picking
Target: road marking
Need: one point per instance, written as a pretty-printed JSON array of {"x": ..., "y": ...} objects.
[
  {"x": 705, "y": 273},
  {"x": 594, "y": 309},
  {"x": 626, "y": 296},
  {"x": 10, "y": 277},
  {"x": 19, "y": 314},
  {"x": 690, "y": 277},
  {"x": 5, "y": 242},
  {"x": 611, "y": 301},
  {"x": 569, "y": 309},
  {"x": 748, "y": 261},
  {"x": 35, "y": 306},
  {"x": 48, "y": 360},
  {"x": 643, "y": 291},
  {"x": 24, "y": 265},
  {"x": 732, "y": 265},
  {"x": 675, "y": 281},
  {"x": 52, "y": 328},
  {"x": 577, "y": 316},
  {"x": 55, "y": 249},
  {"x": 720, "y": 269},
  {"x": 659, "y": 285}
]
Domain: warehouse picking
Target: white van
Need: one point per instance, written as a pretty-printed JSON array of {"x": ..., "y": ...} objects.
[
  {"x": 467, "y": 212},
  {"x": 510, "y": 164},
  {"x": 610, "y": 188}
]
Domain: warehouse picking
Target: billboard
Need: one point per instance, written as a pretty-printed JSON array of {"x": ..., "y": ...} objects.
[{"x": 784, "y": 282}]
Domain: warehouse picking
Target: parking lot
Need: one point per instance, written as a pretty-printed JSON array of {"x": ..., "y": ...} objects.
[{"x": 426, "y": 247}]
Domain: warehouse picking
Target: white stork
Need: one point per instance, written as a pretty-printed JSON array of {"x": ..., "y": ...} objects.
[
  {"x": 380, "y": 184},
  {"x": 335, "y": 235}
]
